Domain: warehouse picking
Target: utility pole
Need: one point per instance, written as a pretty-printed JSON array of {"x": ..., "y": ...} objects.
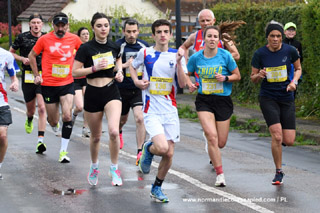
[
  {"x": 178, "y": 32},
  {"x": 9, "y": 22}
]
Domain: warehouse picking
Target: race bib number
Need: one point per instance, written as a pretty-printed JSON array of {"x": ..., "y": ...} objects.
[
  {"x": 160, "y": 86},
  {"x": 210, "y": 86},
  {"x": 60, "y": 70},
  {"x": 29, "y": 77},
  {"x": 139, "y": 71},
  {"x": 106, "y": 56},
  {"x": 277, "y": 74}
]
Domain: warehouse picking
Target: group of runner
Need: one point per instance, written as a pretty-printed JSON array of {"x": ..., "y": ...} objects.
[{"x": 130, "y": 74}]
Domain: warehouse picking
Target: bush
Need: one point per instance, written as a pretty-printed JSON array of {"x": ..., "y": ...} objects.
[{"x": 252, "y": 36}]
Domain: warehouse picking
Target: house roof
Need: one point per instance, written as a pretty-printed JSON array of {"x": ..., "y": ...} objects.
[
  {"x": 47, "y": 9},
  {"x": 188, "y": 7}
]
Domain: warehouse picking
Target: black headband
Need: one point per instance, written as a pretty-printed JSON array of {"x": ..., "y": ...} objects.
[{"x": 273, "y": 27}]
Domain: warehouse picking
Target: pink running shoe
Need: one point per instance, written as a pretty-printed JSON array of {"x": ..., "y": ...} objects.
[{"x": 121, "y": 140}]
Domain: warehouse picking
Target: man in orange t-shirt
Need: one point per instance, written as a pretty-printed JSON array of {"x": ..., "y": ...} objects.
[{"x": 56, "y": 81}]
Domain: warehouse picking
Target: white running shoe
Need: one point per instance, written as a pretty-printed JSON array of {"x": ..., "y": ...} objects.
[{"x": 220, "y": 181}]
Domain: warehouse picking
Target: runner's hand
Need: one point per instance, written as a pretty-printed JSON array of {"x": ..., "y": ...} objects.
[
  {"x": 192, "y": 87},
  {"x": 25, "y": 61},
  {"x": 14, "y": 86},
  {"x": 103, "y": 64},
  {"x": 119, "y": 76},
  {"x": 37, "y": 80},
  {"x": 220, "y": 77},
  {"x": 142, "y": 84},
  {"x": 180, "y": 54}
]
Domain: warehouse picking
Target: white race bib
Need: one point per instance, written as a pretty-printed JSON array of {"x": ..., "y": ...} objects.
[
  {"x": 106, "y": 56},
  {"x": 210, "y": 86},
  {"x": 29, "y": 77},
  {"x": 277, "y": 74},
  {"x": 160, "y": 86},
  {"x": 60, "y": 70}
]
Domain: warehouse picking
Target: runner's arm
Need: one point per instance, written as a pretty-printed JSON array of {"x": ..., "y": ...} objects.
[
  {"x": 78, "y": 70},
  {"x": 182, "y": 79},
  {"x": 187, "y": 44},
  {"x": 24, "y": 60}
]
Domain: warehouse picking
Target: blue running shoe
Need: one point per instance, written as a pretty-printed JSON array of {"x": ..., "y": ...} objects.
[
  {"x": 278, "y": 178},
  {"x": 146, "y": 158},
  {"x": 157, "y": 195}
]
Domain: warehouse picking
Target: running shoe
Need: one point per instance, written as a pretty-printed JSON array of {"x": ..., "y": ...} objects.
[
  {"x": 93, "y": 176},
  {"x": 138, "y": 158},
  {"x": 146, "y": 158},
  {"x": 121, "y": 140},
  {"x": 85, "y": 132},
  {"x": 1, "y": 176},
  {"x": 220, "y": 181},
  {"x": 116, "y": 178},
  {"x": 278, "y": 178},
  {"x": 157, "y": 195},
  {"x": 55, "y": 129},
  {"x": 28, "y": 126},
  {"x": 63, "y": 158},
  {"x": 41, "y": 148}
]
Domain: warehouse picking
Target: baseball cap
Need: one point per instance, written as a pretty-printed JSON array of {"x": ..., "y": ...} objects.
[
  {"x": 35, "y": 15},
  {"x": 60, "y": 17},
  {"x": 290, "y": 24}
]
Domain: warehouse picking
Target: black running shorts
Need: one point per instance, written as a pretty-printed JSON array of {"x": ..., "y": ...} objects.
[
  {"x": 220, "y": 106},
  {"x": 30, "y": 90},
  {"x": 282, "y": 112},
  {"x": 52, "y": 94},
  {"x": 5, "y": 116},
  {"x": 130, "y": 98},
  {"x": 96, "y": 98}
]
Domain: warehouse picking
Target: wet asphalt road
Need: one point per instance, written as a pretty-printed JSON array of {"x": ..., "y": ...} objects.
[{"x": 33, "y": 183}]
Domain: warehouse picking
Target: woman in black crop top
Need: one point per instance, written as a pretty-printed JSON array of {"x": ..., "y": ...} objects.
[{"x": 99, "y": 59}]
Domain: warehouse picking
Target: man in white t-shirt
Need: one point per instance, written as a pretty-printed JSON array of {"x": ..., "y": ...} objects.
[
  {"x": 7, "y": 63},
  {"x": 164, "y": 70}
]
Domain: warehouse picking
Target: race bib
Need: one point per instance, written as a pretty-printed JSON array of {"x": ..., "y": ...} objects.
[
  {"x": 210, "y": 86},
  {"x": 60, "y": 70},
  {"x": 106, "y": 56},
  {"x": 29, "y": 77},
  {"x": 139, "y": 71},
  {"x": 277, "y": 74},
  {"x": 160, "y": 86}
]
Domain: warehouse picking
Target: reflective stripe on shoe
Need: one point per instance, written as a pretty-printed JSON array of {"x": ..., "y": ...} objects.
[{"x": 116, "y": 177}]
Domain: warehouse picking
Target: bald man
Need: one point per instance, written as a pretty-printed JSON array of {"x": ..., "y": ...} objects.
[{"x": 206, "y": 18}]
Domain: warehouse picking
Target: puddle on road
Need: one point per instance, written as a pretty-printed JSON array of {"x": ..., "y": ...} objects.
[{"x": 69, "y": 191}]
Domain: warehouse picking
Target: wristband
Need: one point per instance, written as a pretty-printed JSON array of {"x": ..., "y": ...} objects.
[
  {"x": 93, "y": 68},
  {"x": 226, "y": 78}
]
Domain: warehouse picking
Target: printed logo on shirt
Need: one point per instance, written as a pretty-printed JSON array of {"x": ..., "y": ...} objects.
[
  {"x": 171, "y": 63},
  {"x": 58, "y": 48},
  {"x": 284, "y": 59}
]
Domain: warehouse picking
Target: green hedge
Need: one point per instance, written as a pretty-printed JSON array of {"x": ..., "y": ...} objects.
[{"x": 252, "y": 36}]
